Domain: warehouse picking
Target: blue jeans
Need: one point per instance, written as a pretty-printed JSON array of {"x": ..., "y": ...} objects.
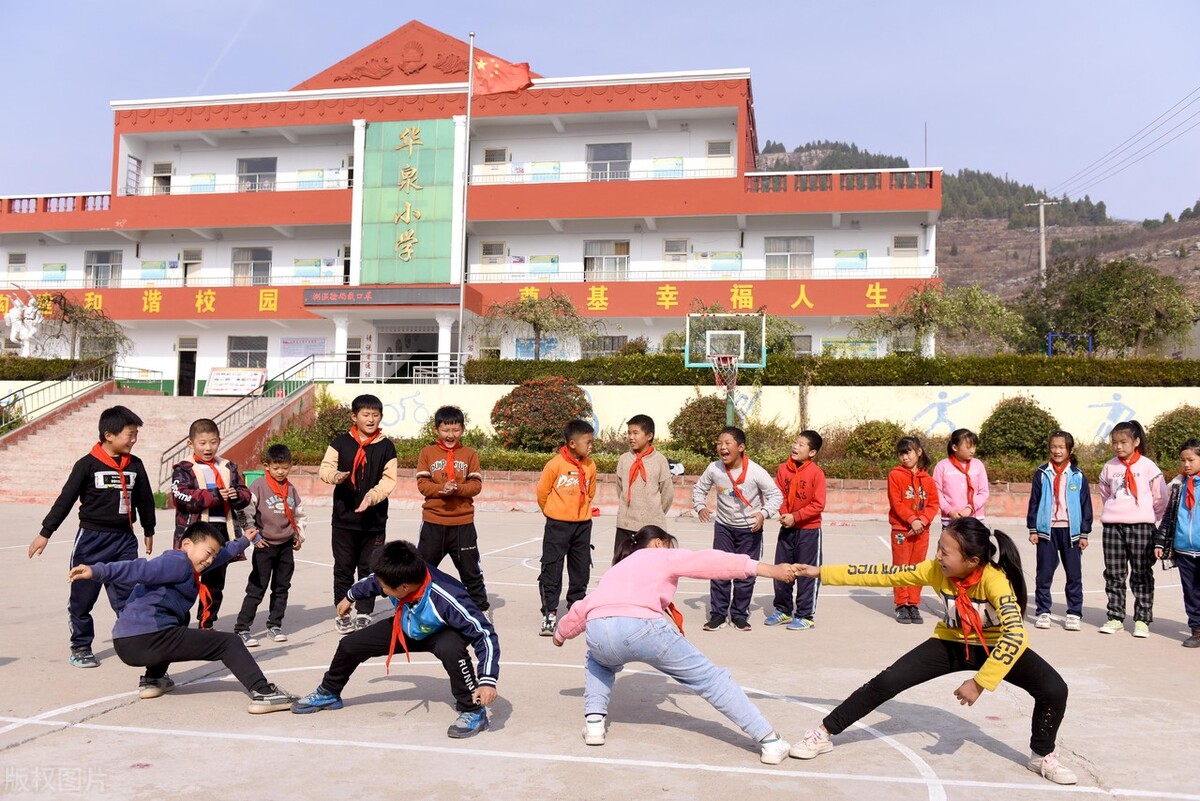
[{"x": 613, "y": 641}]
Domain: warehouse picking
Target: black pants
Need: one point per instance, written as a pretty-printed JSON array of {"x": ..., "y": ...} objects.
[
  {"x": 91, "y": 547},
  {"x": 157, "y": 650},
  {"x": 571, "y": 542},
  {"x": 271, "y": 566},
  {"x": 734, "y": 540},
  {"x": 446, "y": 644},
  {"x": 934, "y": 658},
  {"x": 1189, "y": 577},
  {"x": 214, "y": 579},
  {"x": 798, "y": 546},
  {"x": 1049, "y": 552},
  {"x": 461, "y": 544},
  {"x": 354, "y": 550}
]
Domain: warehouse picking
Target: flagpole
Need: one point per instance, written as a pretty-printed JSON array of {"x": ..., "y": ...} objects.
[{"x": 466, "y": 258}]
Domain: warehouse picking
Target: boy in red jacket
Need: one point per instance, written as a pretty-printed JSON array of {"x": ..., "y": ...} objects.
[{"x": 803, "y": 486}]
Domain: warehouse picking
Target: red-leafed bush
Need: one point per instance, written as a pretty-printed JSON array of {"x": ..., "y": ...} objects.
[{"x": 533, "y": 415}]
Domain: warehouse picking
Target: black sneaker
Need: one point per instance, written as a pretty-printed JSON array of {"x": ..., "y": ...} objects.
[
  {"x": 275, "y": 699},
  {"x": 84, "y": 658},
  {"x": 902, "y": 615},
  {"x": 741, "y": 624},
  {"x": 153, "y": 688},
  {"x": 914, "y": 614},
  {"x": 715, "y": 622}
]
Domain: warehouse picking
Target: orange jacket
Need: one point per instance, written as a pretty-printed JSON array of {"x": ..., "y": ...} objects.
[
  {"x": 911, "y": 496},
  {"x": 809, "y": 499},
  {"x": 558, "y": 490}
]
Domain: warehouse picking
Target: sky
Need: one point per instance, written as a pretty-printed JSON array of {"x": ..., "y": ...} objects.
[{"x": 1035, "y": 90}]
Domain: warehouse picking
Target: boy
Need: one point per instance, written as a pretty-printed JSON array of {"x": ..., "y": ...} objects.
[
  {"x": 152, "y": 631},
  {"x": 744, "y": 503},
  {"x": 802, "y": 484},
  {"x": 644, "y": 486},
  {"x": 448, "y": 476},
  {"x": 113, "y": 491},
  {"x": 361, "y": 464},
  {"x": 434, "y": 614},
  {"x": 565, "y": 494},
  {"x": 279, "y": 516},
  {"x": 209, "y": 489}
]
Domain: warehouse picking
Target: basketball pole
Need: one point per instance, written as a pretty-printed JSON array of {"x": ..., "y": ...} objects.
[{"x": 729, "y": 405}]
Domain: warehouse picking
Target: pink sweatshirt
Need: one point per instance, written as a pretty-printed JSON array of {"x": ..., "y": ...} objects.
[
  {"x": 1119, "y": 505},
  {"x": 642, "y": 584},
  {"x": 952, "y": 487}
]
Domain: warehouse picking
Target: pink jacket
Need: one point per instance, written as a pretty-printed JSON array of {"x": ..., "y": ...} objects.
[
  {"x": 1119, "y": 505},
  {"x": 952, "y": 487},
  {"x": 642, "y": 584}
]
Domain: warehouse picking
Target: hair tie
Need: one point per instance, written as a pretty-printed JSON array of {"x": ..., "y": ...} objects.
[{"x": 633, "y": 536}]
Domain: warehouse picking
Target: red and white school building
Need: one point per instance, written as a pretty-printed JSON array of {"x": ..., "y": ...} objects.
[{"x": 255, "y": 229}]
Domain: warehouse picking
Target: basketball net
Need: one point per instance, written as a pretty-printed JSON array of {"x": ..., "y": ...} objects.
[{"x": 725, "y": 370}]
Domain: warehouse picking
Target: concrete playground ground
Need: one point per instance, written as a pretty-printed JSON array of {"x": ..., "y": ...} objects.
[{"x": 1131, "y": 728}]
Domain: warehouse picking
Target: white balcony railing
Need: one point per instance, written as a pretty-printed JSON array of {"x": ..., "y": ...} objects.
[
  {"x": 228, "y": 183},
  {"x": 136, "y": 282},
  {"x": 579, "y": 172},
  {"x": 675, "y": 273}
]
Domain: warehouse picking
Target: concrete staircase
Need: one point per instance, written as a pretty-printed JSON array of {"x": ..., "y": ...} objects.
[{"x": 34, "y": 469}]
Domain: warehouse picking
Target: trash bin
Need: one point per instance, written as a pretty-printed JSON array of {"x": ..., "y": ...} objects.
[{"x": 253, "y": 474}]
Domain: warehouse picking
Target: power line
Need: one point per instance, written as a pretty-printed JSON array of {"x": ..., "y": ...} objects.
[
  {"x": 1146, "y": 130},
  {"x": 1114, "y": 169}
]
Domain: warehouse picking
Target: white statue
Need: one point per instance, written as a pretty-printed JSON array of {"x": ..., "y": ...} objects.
[{"x": 24, "y": 319}]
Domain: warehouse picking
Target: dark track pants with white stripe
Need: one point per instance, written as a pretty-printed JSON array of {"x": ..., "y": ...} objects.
[
  {"x": 798, "y": 546},
  {"x": 92, "y": 547}
]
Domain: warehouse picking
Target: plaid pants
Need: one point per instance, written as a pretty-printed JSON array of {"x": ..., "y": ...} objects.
[{"x": 1129, "y": 551}]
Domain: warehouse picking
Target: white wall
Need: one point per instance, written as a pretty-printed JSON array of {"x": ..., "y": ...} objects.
[{"x": 194, "y": 157}]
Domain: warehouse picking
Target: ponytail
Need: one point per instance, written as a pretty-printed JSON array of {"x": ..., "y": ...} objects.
[
  {"x": 976, "y": 541},
  {"x": 911, "y": 443},
  {"x": 1008, "y": 559},
  {"x": 1133, "y": 429},
  {"x": 639, "y": 540}
]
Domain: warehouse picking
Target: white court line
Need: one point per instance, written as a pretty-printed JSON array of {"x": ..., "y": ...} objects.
[{"x": 509, "y": 547}]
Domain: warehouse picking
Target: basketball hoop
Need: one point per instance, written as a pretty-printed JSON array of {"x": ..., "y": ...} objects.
[{"x": 725, "y": 370}]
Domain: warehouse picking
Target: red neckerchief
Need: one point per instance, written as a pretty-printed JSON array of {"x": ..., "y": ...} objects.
[
  {"x": 281, "y": 489},
  {"x": 964, "y": 468},
  {"x": 205, "y": 599},
  {"x": 676, "y": 616},
  {"x": 794, "y": 485},
  {"x": 565, "y": 453},
  {"x": 968, "y": 615},
  {"x": 1189, "y": 500},
  {"x": 398, "y": 622},
  {"x": 916, "y": 489},
  {"x": 737, "y": 482},
  {"x": 638, "y": 467},
  {"x": 107, "y": 459},
  {"x": 1130, "y": 481},
  {"x": 1058, "y": 474},
  {"x": 449, "y": 458},
  {"x": 360, "y": 456},
  {"x": 212, "y": 464}
]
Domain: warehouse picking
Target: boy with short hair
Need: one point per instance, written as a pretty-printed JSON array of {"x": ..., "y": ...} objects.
[
  {"x": 449, "y": 477},
  {"x": 644, "y": 486},
  {"x": 434, "y": 614},
  {"x": 113, "y": 490},
  {"x": 152, "y": 631},
  {"x": 802, "y": 483},
  {"x": 279, "y": 516},
  {"x": 746, "y": 497},
  {"x": 565, "y": 493},
  {"x": 361, "y": 464},
  {"x": 209, "y": 489}
]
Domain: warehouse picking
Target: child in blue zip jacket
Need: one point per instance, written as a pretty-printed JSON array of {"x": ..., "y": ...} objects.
[
  {"x": 434, "y": 613},
  {"x": 152, "y": 630},
  {"x": 1059, "y": 521},
  {"x": 1178, "y": 539}
]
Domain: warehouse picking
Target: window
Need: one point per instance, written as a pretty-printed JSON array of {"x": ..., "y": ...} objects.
[
  {"x": 489, "y": 346},
  {"x": 191, "y": 263},
  {"x": 102, "y": 268},
  {"x": 495, "y": 155},
  {"x": 905, "y": 253},
  {"x": 593, "y": 347},
  {"x": 609, "y": 162},
  {"x": 256, "y": 175},
  {"x": 605, "y": 260},
  {"x": 247, "y": 351},
  {"x": 802, "y": 345},
  {"x": 350, "y": 170},
  {"x": 162, "y": 177},
  {"x": 675, "y": 251},
  {"x": 133, "y": 175},
  {"x": 251, "y": 266},
  {"x": 493, "y": 252},
  {"x": 722, "y": 149},
  {"x": 16, "y": 265},
  {"x": 789, "y": 256}
]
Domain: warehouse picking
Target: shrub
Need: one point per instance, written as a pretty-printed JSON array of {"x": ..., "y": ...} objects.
[
  {"x": 18, "y": 368},
  {"x": 533, "y": 415},
  {"x": 874, "y": 439},
  {"x": 766, "y": 437},
  {"x": 1017, "y": 426},
  {"x": 329, "y": 422},
  {"x": 1169, "y": 431},
  {"x": 473, "y": 437},
  {"x": 696, "y": 426},
  {"x": 636, "y": 346}
]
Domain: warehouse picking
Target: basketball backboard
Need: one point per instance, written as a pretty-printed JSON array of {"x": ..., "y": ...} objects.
[{"x": 743, "y": 336}]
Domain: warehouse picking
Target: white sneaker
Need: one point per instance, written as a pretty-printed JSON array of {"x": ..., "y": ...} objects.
[
  {"x": 276, "y": 634},
  {"x": 1043, "y": 621},
  {"x": 1050, "y": 768},
  {"x": 362, "y": 621},
  {"x": 248, "y": 639},
  {"x": 343, "y": 624},
  {"x": 772, "y": 752},
  {"x": 1072, "y": 623},
  {"x": 815, "y": 743},
  {"x": 594, "y": 727}
]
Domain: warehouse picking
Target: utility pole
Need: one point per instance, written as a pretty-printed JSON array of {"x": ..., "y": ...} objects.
[{"x": 1042, "y": 204}]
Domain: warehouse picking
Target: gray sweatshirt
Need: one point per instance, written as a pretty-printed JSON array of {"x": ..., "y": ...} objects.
[
  {"x": 651, "y": 497},
  {"x": 758, "y": 488}
]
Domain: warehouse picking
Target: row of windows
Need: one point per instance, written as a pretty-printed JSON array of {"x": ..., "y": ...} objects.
[
  {"x": 253, "y": 175},
  {"x": 610, "y": 161}
]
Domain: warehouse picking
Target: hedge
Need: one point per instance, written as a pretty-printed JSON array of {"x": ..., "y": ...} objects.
[
  {"x": 900, "y": 370},
  {"x": 16, "y": 368}
]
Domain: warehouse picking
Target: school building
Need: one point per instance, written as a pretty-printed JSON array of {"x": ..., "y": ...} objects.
[{"x": 253, "y": 230}]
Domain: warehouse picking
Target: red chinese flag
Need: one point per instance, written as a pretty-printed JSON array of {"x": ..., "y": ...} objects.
[{"x": 493, "y": 76}]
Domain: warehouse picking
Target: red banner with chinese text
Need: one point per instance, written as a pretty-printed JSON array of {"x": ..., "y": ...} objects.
[{"x": 180, "y": 303}]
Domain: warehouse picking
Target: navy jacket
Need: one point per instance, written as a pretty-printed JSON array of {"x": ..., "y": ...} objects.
[{"x": 164, "y": 588}]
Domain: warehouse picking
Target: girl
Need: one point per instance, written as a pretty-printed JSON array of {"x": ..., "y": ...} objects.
[
  {"x": 912, "y": 503},
  {"x": 1059, "y": 521},
  {"x": 1135, "y": 497},
  {"x": 1179, "y": 535},
  {"x": 623, "y": 618},
  {"x": 977, "y": 575},
  {"x": 961, "y": 481}
]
